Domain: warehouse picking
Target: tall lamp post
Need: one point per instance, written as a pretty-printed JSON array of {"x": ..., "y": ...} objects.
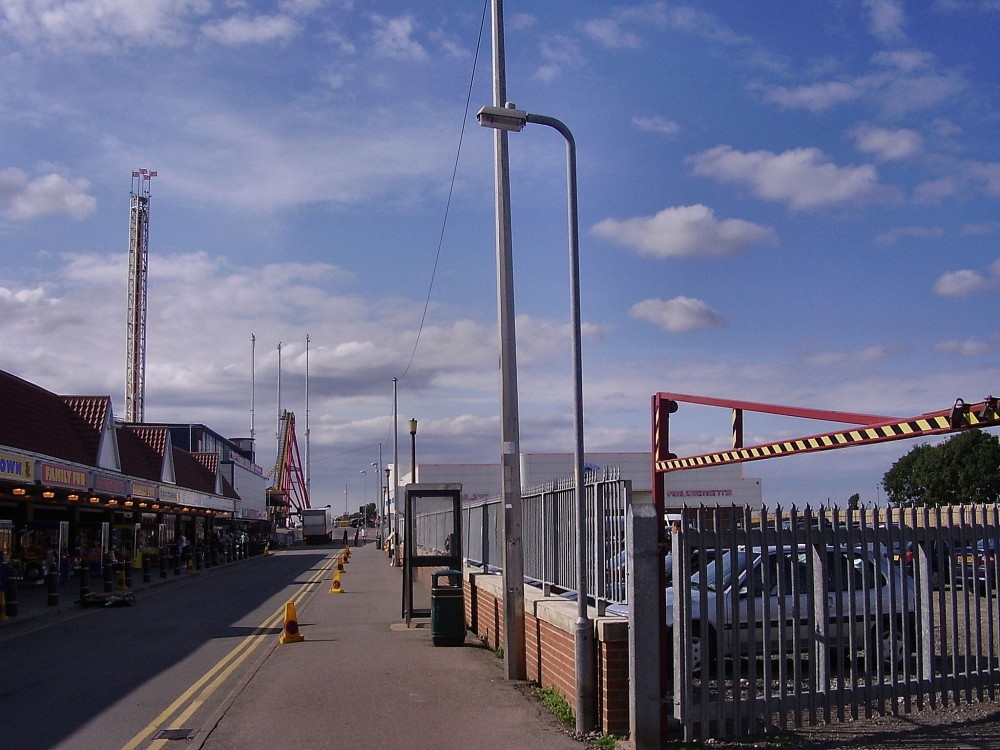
[
  {"x": 510, "y": 118},
  {"x": 413, "y": 451},
  {"x": 364, "y": 491}
]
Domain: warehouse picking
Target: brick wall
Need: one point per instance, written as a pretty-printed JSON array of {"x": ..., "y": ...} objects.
[{"x": 549, "y": 648}]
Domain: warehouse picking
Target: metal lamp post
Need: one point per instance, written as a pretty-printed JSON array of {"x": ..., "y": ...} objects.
[
  {"x": 413, "y": 451},
  {"x": 510, "y": 118}
]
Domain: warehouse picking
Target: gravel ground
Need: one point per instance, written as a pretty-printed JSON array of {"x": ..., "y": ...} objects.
[{"x": 964, "y": 727}]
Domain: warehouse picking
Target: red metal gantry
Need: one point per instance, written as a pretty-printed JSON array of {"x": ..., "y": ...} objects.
[{"x": 289, "y": 489}]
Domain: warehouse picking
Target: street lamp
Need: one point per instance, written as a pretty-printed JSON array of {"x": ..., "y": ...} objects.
[
  {"x": 509, "y": 118},
  {"x": 364, "y": 491},
  {"x": 413, "y": 451}
]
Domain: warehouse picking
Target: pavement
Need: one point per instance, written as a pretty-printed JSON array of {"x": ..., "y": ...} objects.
[{"x": 361, "y": 678}]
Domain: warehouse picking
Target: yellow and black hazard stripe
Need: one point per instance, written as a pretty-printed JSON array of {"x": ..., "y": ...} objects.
[{"x": 961, "y": 416}]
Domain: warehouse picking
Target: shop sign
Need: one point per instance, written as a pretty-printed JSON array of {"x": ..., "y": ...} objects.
[
  {"x": 60, "y": 475},
  {"x": 143, "y": 490},
  {"x": 15, "y": 467},
  {"x": 169, "y": 495},
  {"x": 110, "y": 485}
]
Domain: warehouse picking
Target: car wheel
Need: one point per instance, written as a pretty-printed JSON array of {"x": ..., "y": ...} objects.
[
  {"x": 703, "y": 652},
  {"x": 890, "y": 645}
]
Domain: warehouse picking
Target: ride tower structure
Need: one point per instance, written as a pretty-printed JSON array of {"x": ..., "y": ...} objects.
[{"x": 135, "y": 326}]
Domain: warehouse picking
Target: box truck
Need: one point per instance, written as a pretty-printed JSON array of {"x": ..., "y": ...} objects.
[{"x": 317, "y": 525}]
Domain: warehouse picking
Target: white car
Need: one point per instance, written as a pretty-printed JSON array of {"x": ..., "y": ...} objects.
[{"x": 754, "y": 602}]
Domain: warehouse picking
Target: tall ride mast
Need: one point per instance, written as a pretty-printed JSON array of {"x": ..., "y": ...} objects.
[{"x": 135, "y": 328}]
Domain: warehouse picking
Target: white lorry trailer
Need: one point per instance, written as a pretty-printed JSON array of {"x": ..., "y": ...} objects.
[{"x": 317, "y": 525}]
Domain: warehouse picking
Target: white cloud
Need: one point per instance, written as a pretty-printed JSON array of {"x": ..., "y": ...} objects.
[
  {"x": 100, "y": 25},
  {"x": 986, "y": 173},
  {"x": 677, "y": 315},
  {"x": 886, "y": 19},
  {"x": 610, "y": 34},
  {"x": 967, "y": 282},
  {"x": 251, "y": 29},
  {"x": 850, "y": 358},
  {"x": 394, "y": 38},
  {"x": 684, "y": 231},
  {"x": 656, "y": 124},
  {"x": 804, "y": 178},
  {"x": 891, "y": 236},
  {"x": 965, "y": 348},
  {"x": 22, "y": 198},
  {"x": 559, "y": 52},
  {"x": 817, "y": 97},
  {"x": 888, "y": 145}
]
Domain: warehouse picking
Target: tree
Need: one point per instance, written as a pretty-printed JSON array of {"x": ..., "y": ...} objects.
[{"x": 963, "y": 469}]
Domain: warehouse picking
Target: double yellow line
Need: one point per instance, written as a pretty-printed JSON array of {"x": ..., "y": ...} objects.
[{"x": 188, "y": 702}]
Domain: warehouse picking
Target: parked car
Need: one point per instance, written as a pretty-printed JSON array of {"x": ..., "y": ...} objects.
[
  {"x": 736, "y": 594},
  {"x": 979, "y": 569}
]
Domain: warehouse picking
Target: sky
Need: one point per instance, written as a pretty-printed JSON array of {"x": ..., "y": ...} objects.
[{"x": 779, "y": 202}]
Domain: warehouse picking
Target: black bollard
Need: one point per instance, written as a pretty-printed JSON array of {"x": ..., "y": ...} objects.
[
  {"x": 197, "y": 559},
  {"x": 11, "y": 596},
  {"x": 177, "y": 563},
  {"x": 84, "y": 579},
  {"x": 109, "y": 577},
  {"x": 127, "y": 570},
  {"x": 163, "y": 563},
  {"x": 146, "y": 576},
  {"x": 53, "y": 581}
]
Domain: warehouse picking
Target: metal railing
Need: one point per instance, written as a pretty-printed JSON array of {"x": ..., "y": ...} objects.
[
  {"x": 548, "y": 535},
  {"x": 832, "y": 615}
]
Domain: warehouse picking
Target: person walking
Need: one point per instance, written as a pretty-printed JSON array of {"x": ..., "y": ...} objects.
[
  {"x": 357, "y": 530},
  {"x": 364, "y": 535}
]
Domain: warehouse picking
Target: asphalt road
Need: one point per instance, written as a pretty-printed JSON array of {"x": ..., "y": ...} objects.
[{"x": 105, "y": 677}]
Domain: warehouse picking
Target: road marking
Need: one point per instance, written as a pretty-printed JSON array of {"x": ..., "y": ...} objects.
[{"x": 209, "y": 682}]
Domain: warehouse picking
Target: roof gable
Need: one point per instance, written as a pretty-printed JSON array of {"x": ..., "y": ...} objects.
[{"x": 39, "y": 421}]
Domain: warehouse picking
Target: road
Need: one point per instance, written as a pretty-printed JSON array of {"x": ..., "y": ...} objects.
[{"x": 114, "y": 678}]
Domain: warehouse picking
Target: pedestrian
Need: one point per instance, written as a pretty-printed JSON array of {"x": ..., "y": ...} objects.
[
  {"x": 364, "y": 535},
  {"x": 345, "y": 536},
  {"x": 182, "y": 544},
  {"x": 357, "y": 530}
]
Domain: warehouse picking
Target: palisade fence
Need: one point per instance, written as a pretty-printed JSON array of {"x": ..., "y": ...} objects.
[
  {"x": 548, "y": 534},
  {"x": 831, "y": 615}
]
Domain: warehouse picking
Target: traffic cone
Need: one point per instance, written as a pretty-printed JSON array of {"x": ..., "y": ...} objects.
[
  {"x": 340, "y": 565},
  {"x": 346, "y": 554},
  {"x": 335, "y": 587},
  {"x": 290, "y": 633}
]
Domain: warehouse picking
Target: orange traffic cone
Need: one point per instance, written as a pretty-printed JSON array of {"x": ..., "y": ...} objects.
[
  {"x": 335, "y": 587},
  {"x": 290, "y": 633}
]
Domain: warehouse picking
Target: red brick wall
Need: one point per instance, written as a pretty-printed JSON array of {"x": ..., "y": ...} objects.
[{"x": 551, "y": 654}]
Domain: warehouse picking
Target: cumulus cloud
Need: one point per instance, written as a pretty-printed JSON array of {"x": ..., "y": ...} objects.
[
  {"x": 891, "y": 236},
  {"x": 817, "y": 97},
  {"x": 804, "y": 178},
  {"x": 888, "y": 145},
  {"x": 251, "y": 29},
  {"x": 677, "y": 315},
  {"x": 966, "y": 282},
  {"x": 684, "y": 231},
  {"x": 656, "y": 124},
  {"x": 559, "y": 52},
  {"x": 394, "y": 38},
  {"x": 100, "y": 25},
  {"x": 886, "y": 19},
  {"x": 22, "y": 198},
  {"x": 965, "y": 348},
  {"x": 609, "y": 33}
]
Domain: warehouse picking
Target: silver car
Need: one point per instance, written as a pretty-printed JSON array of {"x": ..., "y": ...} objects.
[{"x": 763, "y": 602}]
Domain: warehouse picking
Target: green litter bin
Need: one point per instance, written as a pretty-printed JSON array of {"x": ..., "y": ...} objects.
[{"x": 447, "y": 608}]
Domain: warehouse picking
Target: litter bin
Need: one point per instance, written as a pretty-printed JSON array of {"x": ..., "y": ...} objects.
[{"x": 447, "y": 608}]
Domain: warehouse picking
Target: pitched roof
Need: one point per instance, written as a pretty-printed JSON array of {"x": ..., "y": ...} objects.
[
  {"x": 39, "y": 421},
  {"x": 192, "y": 472}
]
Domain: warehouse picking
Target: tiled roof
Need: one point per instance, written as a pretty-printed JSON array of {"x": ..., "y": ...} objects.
[
  {"x": 137, "y": 457},
  {"x": 92, "y": 412},
  {"x": 39, "y": 421},
  {"x": 192, "y": 473},
  {"x": 153, "y": 445}
]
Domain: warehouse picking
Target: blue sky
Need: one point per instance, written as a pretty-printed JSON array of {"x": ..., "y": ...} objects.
[{"x": 780, "y": 202}]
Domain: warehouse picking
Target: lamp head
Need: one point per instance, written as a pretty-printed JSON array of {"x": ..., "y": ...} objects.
[
  {"x": 503, "y": 118},
  {"x": 413, "y": 427}
]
